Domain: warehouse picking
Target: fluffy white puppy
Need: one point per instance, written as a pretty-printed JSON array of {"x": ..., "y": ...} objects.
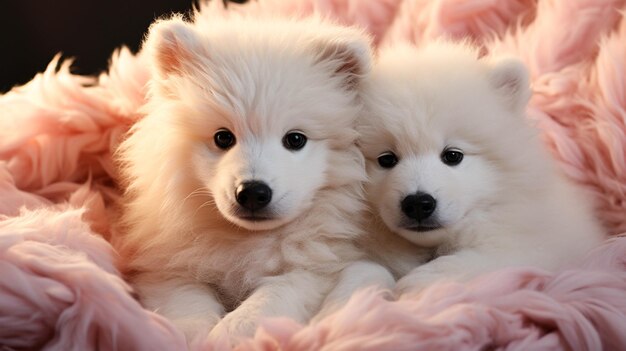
[
  {"x": 458, "y": 178},
  {"x": 244, "y": 178}
]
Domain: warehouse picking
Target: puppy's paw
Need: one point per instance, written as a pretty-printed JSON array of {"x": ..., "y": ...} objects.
[
  {"x": 195, "y": 328},
  {"x": 414, "y": 282},
  {"x": 443, "y": 268},
  {"x": 232, "y": 329}
]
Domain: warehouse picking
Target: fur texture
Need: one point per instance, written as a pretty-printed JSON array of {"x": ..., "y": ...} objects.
[
  {"x": 194, "y": 251},
  {"x": 61, "y": 290},
  {"x": 470, "y": 187},
  {"x": 512, "y": 309},
  {"x": 58, "y": 131}
]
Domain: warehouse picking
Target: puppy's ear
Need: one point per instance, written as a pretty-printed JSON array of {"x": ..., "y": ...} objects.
[
  {"x": 349, "y": 58},
  {"x": 509, "y": 77},
  {"x": 171, "y": 45}
]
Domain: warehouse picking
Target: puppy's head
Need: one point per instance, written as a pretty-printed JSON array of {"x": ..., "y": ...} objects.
[
  {"x": 264, "y": 110},
  {"x": 444, "y": 137}
]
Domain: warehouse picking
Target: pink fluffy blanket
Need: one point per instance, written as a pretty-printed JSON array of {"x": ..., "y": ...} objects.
[{"x": 59, "y": 289}]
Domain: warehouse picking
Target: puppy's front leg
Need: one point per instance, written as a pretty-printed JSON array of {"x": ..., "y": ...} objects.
[
  {"x": 192, "y": 306},
  {"x": 458, "y": 266},
  {"x": 297, "y": 295},
  {"x": 356, "y": 276}
]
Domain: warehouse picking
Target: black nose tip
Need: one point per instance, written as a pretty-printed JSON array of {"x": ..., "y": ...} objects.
[
  {"x": 253, "y": 195},
  {"x": 419, "y": 206}
]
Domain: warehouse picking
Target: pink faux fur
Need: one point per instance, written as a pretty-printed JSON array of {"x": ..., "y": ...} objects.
[
  {"x": 60, "y": 290},
  {"x": 514, "y": 309}
]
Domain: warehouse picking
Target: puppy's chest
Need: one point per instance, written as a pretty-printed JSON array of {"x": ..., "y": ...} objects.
[{"x": 235, "y": 266}]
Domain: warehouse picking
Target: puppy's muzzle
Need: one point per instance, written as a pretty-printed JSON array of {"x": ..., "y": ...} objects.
[
  {"x": 419, "y": 206},
  {"x": 253, "y": 195},
  {"x": 419, "y": 210}
]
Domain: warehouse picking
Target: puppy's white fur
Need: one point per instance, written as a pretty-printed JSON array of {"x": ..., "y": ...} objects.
[
  {"x": 188, "y": 253},
  {"x": 505, "y": 204}
]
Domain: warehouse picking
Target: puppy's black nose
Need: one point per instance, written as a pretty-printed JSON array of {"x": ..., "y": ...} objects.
[
  {"x": 419, "y": 206},
  {"x": 253, "y": 195}
]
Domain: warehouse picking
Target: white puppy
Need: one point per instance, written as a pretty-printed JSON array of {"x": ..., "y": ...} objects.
[
  {"x": 458, "y": 178},
  {"x": 244, "y": 178}
]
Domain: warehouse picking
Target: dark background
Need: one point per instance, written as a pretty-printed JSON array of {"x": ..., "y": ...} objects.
[{"x": 33, "y": 31}]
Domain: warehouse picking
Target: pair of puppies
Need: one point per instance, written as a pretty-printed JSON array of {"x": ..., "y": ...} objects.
[{"x": 245, "y": 181}]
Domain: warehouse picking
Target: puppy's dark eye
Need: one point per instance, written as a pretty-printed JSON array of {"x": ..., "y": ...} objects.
[
  {"x": 294, "y": 141},
  {"x": 387, "y": 160},
  {"x": 224, "y": 139},
  {"x": 452, "y": 157}
]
